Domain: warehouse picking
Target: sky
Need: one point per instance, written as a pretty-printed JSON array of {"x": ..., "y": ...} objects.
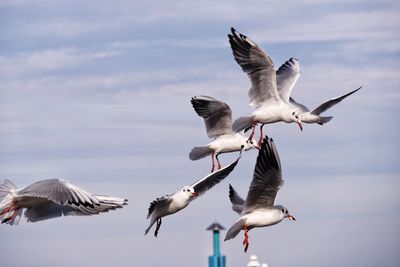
[{"x": 98, "y": 93}]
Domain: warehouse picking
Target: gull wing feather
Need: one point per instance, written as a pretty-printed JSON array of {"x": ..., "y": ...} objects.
[
  {"x": 258, "y": 66},
  {"x": 206, "y": 183},
  {"x": 217, "y": 115},
  {"x": 236, "y": 200},
  {"x": 59, "y": 191},
  {"x": 158, "y": 203},
  {"x": 328, "y": 104},
  {"x": 267, "y": 178},
  {"x": 286, "y": 78}
]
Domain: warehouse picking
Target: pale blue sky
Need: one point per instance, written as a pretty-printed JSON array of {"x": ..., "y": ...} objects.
[{"x": 98, "y": 93}]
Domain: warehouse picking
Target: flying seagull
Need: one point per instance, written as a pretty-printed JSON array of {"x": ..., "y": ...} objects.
[
  {"x": 170, "y": 204},
  {"x": 287, "y": 76},
  {"x": 264, "y": 96},
  {"x": 259, "y": 210},
  {"x": 47, "y": 199},
  {"x": 217, "y": 117}
]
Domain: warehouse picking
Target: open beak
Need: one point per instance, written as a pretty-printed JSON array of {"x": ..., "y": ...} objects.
[
  {"x": 291, "y": 218},
  {"x": 300, "y": 126}
]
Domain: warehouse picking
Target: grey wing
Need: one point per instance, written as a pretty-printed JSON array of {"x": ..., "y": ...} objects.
[
  {"x": 286, "y": 78},
  {"x": 298, "y": 105},
  {"x": 267, "y": 178},
  {"x": 59, "y": 191},
  {"x": 258, "y": 66},
  {"x": 217, "y": 115},
  {"x": 328, "y": 104},
  {"x": 49, "y": 211},
  {"x": 206, "y": 183},
  {"x": 159, "y": 203},
  {"x": 236, "y": 200}
]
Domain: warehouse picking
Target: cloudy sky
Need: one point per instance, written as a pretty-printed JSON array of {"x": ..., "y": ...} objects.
[{"x": 97, "y": 92}]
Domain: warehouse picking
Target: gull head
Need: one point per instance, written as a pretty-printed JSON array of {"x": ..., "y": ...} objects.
[
  {"x": 188, "y": 191},
  {"x": 287, "y": 215},
  {"x": 250, "y": 144}
]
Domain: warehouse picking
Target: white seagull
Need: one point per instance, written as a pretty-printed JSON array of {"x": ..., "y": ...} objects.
[
  {"x": 51, "y": 198},
  {"x": 217, "y": 117},
  {"x": 286, "y": 77},
  {"x": 259, "y": 210},
  {"x": 170, "y": 204},
  {"x": 264, "y": 96}
]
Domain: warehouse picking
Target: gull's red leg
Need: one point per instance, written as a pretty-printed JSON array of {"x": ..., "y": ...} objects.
[
  {"x": 252, "y": 131},
  {"x": 261, "y": 135},
  {"x": 246, "y": 238},
  {"x": 219, "y": 164},
  {"x": 213, "y": 164}
]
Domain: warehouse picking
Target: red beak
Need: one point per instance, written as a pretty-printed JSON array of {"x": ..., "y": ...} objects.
[
  {"x": 291, "y": 218},
  {"x": 195, "y": 194},
  {"x": 300, "y": 126}
]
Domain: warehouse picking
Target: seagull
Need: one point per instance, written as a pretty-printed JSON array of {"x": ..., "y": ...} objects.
[
  {"x": 51, "y": 198},
  {"x": 264, "y": 96},
  {"x": 259, "y": 210},
  {"x": 286, "y": 77},
  {"x": 217, "y": 117},
  {"x": 170, "y": 204}
]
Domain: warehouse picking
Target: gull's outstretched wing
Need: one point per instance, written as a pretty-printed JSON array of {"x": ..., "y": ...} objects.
[
  {"x": 158, "y": 204},
  {"x": 217, "y": 115},
  {"x": 56, "y": 197},
  {"x": 286, "y": 78},
  {"x": 206, "y": 183},
  {"x": 267, "y": 178},
  {"x": 258, "y": 66},
  {"x": 236, "y": 200},
  {"x": 328, "y": 104}
]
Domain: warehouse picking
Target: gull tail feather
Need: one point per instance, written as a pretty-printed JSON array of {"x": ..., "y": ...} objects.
[
  {"x": 234, "y": 230},
  {"x": 200, "y": 152},
  {"x": 242, "y": 123},
  {"x": 324, "y": 120},
  {"x": 148, "y": 228}
]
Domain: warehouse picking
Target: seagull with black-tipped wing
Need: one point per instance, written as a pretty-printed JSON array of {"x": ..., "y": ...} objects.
[
  {"x": 51, "y": 198},
  {"x": 170, "y": 204},
  {"x": 258, "y": 210},
  {"x": 217, "y": 117}
]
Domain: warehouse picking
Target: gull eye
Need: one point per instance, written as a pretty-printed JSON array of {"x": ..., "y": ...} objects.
[
  {"x": 293, "y": 113},
  {"x": 283, "y": 210}
]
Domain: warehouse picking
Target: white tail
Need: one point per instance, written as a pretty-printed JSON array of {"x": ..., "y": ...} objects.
[
  {"x": 199, "y": 152},
  {"x": 324, "y": 120},
  {"x": 234, "y": 230},
  {"x": 242, "y": 123}
]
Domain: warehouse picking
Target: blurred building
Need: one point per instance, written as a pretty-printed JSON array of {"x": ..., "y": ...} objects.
[
  {"x": 216, "y": 260},
  {"x": 254, "y": 262}
]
